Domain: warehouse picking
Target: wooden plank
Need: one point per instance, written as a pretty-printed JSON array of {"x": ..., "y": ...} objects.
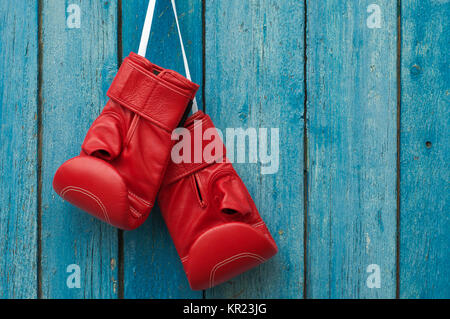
[
  {"x": 18, "y": 156},
  {"x": 152, "y": 268},
  {"x": 254, "y": 79},
  {"x": 351, "y": 89},
  {"x": 425, "y": 149},
  {"x": 79, "y": 64}
]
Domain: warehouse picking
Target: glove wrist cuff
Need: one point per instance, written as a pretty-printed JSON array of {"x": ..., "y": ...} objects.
[
  {"x": 158, "y": 95},
  {"x": 205, "y": 145}
]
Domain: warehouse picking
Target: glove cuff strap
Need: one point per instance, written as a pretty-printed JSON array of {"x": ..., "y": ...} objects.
[
  {"x": 201, "y": 130},
  {"x": 158, "y": 95}
]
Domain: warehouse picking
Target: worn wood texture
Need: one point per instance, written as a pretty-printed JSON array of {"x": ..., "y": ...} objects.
[
  {"x": 254, "y": 79},
  {"x": 256, "y": 58},
  {"x": 78, "y": 65},
  {"x": 152, "y": 268},
  {"x": 18, "y": 142},
  {"x": 351, "y": 89},
  {"x": 425, "y": 149}
]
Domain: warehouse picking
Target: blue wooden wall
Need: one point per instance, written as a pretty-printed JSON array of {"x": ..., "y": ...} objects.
[{"x": 358, "y": 89}]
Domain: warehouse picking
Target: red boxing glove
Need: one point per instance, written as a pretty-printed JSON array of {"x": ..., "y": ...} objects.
[
  {"x": 127, "y": 149},
  {"x": 211, "y": 217}
]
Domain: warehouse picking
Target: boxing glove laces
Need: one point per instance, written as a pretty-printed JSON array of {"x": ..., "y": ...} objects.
[{"x": 213, "y": 221}]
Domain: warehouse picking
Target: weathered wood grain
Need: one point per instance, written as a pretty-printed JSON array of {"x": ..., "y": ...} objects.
[
  {"x": 79, "y": 64},
  {"x": 254, "y": 79},
  {"x": 425, "y": 149},
  {"x": 18, "y": 142},
  {"x": 152, "y": 268},
  {"x": 351, "y": 89}
]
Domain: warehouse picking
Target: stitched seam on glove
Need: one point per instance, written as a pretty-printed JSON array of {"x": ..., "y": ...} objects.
[
  {"x": 229, "y": 260},
  {"x": 131, "y": 130},
  {"x": 135, "y": 213},
  {"x": 184, "y": 259},
  {"x": 89, "y": 194},
  {"x": 143, "y": 201},
  {"x": 258, "y": 224}
]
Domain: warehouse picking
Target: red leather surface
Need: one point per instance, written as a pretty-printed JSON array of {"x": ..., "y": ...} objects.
[
  {"x": 224, "y": 252},
  {"x": 211, "y": 217},
  {"x": 127, "y": 149},
  {"x": 105, "y": 198}
]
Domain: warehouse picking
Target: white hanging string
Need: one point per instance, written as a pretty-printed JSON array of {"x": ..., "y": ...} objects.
[
  {"x": 146, "y": 35},
  {"x": 147, "y": 27}
]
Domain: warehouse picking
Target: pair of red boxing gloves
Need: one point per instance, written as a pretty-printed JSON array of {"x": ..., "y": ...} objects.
[{"x": 128, "y": 160}]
